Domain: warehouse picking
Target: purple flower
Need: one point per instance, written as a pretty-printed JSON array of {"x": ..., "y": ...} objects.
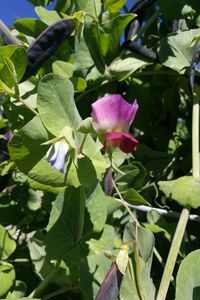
[
  {"x": 111, "y": 118},
  {"x": 7, "y": 136},
  {"x": 57, "y": 155}
]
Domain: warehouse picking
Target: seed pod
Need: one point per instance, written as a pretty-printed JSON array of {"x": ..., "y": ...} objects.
[
  {"x": 134, "y": 47},
  {"x": 46, "y": 44},
  {"x": 109, "y": 289},
  {"x": 193, "y": 64}
]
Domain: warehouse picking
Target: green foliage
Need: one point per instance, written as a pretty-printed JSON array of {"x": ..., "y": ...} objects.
[
  {"x": 60, "y": 234},
  {"x": 188, "y": 286}
]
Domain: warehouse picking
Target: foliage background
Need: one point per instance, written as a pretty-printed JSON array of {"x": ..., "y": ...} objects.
[{"x": 47, "y": 251}]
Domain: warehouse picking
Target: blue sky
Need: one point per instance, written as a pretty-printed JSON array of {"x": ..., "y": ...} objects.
[{"x": 10, "y": 9}]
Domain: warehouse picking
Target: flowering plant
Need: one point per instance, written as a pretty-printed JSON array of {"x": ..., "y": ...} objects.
[{"x": 112, "y": 117}]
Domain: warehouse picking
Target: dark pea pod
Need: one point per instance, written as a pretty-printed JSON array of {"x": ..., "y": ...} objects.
[
  {"x": 134, "y": 47},
  {"x": 193, "y": 64},
  {"x": 139, "y": 5},
  {"x": 46, "y": 44},
  {"x": 133, "y": 27},
  {"x": 109, "y": 289}
]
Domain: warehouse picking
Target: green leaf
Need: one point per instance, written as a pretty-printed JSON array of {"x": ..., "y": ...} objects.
[
  {"x": 121, "y": 68},
  {"x": 6, "y": 89},
  {"x": 63, "y": 68},
  {"x": 133, "y": 197},
  {"x": 19, "y": 289},
  {"x": 98, "y": 266},
  {"x": 185, "y": 190},
  {"x": 29, "y": 26},
  {"x": 13, "y": 73},
  {"x": 56, "y": 104},
  {"x": 129, "y": 289},
  {"x": 144, "y": 237},
  {"x": 97, "y": 207},
  {"x": 7, "y": 245},
  {"x": 188, "y": 277},
  {"x": 174, "y": 50},
  {"x": 18, "y": 57},
  {"x": 113, "y": 5},
  {"x": 7, "y": 277},
  {"x": 92, "y": 7},
  {"x": 47, "y": 16},
  {"x": 79, "y": 84},
  {"x": 105, "y": 242}
]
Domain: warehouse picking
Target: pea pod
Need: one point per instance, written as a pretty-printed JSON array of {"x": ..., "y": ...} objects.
[{"x": 46, "y": 44}]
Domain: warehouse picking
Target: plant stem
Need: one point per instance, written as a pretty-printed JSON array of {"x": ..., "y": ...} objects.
[
  {"x": 27, "y": 105},
  {"x": 6, "y": 31},
  {"x": 138, "y": 271},
  {"x": 125, "y": 204},
  {"x": 81, "y": 216},
  {"x": 173, "y": 253},
  {"x": 195, "y": 140},
  {"x": 45, "y": 282},
  {"x": 178, "y": 236},
  {"x": 60, "y": 291}
]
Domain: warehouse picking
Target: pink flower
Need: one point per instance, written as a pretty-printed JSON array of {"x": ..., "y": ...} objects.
[{"x": 111, "y": 118}]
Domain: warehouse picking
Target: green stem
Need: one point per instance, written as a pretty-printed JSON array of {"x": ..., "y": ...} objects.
[
  {"x": 138, "y": 271},
  {"x": 125, "y": 205},
  {"x": 178, "y": 236},
  {"x": 195, "y": 140},
  {"x": 8, "y": 33},
  {"x": 40, "y": 288},
  {"x": 173, "y": 253},
  {"x": 81, "y": 216},
  {"x": 60, "y": 291},
  {"x": 27, "y": 105}
]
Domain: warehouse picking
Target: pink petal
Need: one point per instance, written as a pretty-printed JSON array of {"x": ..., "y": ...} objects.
[
  {"x": 113, "y": 114},
  {"x": 125, "y": 141}
]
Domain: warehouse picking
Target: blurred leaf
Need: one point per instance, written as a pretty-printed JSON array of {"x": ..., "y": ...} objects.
[
  {"x": 188, "y": 277},
  {"x": 134, "y": 198},
  {"x": 174, "y": 51},
  {"x": 47, "y": 16},
  {"x": 92, "y": 7},
  {"x": 63, "y": 68},
  {"x": 121, "y": 68},
  {"x": 79, "y": 84},
  {"x": 105, "y": 242},
  {"x": 18, "y": 57},
  {"x": 29, "y": 26},
  {"x": 19, "y": 290},
  {"x": 7, "y": 245},
  {"x": 185, "y": 190},
  {"x": 113, "y": 5},
  {"x": 144, "y": 237},
  {"x": 7, "y": 277},
  {"x": 98, "y": 266},
  {"x": 56, "y": 104},
  {"x": 4, "y": 88},
  {"x": 96, "y": 205}
]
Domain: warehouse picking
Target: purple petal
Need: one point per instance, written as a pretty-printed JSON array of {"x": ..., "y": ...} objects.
[
  {"x": 113, "y": 114},
  {"x": 7, "y": 136},
  {"x": 125, "y": 141},
  {"x": 57, "y": 156}
]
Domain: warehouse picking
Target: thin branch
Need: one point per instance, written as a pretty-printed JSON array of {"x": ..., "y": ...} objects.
[
  {"x": 6, "y": 32},
  {"x": 161, "y": 211}
]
